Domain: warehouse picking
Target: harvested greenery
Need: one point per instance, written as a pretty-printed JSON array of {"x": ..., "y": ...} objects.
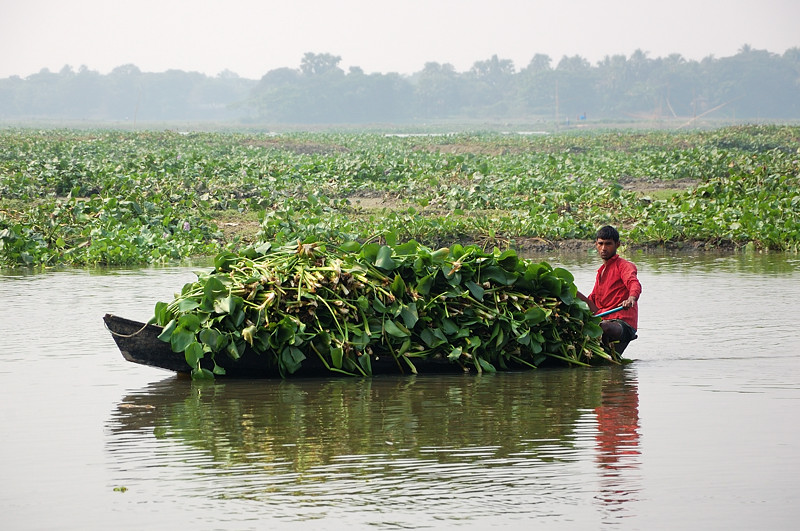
[{"x": 353, "y": 304}]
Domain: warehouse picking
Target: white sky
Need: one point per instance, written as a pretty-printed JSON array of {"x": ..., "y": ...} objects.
[{"x": 251, "y": 37}]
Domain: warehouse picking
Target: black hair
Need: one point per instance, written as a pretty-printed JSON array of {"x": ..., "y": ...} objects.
[{"x": 608, "y": 233}]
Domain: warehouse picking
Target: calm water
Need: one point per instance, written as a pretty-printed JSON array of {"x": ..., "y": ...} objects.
[{"x": 700, "y": 432}]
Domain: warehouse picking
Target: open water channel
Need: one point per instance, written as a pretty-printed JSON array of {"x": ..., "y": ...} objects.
[{"x": 700, "y": 432}]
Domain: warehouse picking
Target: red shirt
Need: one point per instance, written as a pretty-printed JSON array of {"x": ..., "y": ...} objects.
[{"x": 616, "y": 281}]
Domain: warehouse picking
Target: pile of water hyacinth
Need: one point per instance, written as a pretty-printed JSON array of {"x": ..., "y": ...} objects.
[{"x": 349, "y": 305}]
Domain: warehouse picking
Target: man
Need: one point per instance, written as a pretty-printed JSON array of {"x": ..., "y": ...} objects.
[{"x": 616, "y": 285}]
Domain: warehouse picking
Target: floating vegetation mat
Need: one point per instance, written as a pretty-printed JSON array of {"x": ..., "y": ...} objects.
[{"x": 352, "y": 304}]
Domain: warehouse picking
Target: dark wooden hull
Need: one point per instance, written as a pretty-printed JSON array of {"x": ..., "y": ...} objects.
[{"x": 139, "y": 343}]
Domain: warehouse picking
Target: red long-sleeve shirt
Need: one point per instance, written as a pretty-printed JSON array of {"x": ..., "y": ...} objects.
[{"x": 616, "y": 281}]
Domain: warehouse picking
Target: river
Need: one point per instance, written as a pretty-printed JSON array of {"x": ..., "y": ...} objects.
[{"x": 700, "y": 432}]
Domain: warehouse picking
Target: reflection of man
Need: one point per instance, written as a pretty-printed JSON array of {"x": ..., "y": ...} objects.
[
  {"x": 616, "y": 285},
  {"x": 618, "y": 437}
]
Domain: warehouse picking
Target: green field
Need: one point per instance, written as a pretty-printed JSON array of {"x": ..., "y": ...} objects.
[{"x": 114, "y": 197}]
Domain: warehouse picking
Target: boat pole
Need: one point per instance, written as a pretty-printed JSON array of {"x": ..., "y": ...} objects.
[{"x": 609, "y": 312}]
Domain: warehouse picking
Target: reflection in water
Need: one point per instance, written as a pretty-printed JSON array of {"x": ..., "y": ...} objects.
[
  {"x": 618, "y": 440},
  {"x": 391, "y": 449}
]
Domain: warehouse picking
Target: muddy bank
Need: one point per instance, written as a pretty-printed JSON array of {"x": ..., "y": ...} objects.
[
  {"x": 245, "y": 231},
  {"x": 573, "y": 246}
]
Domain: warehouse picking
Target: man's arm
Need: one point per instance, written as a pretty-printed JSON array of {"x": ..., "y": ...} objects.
[
  {"x": 631, "y": 280},
  {"x": 584, "y": 298}
]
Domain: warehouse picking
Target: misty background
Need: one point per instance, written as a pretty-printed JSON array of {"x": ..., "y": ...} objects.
[{"x": 751, "y": 85}]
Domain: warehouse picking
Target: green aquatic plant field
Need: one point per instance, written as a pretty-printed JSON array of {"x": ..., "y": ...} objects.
[{"x": 114, "y": 197}]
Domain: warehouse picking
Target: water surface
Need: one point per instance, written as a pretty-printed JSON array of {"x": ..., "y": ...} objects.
[{"x": 699, "y": 432}]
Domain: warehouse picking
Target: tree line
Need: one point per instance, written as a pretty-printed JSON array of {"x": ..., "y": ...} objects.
[{"x": 751, "y": 85}]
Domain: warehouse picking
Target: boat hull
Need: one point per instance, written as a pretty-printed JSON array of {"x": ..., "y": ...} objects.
[{"x": 138, "y": 342}]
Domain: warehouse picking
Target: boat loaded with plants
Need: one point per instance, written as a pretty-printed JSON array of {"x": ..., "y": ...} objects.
[
  {"x": 89, "y": 198},
  {"x": 363, "y": 309}
]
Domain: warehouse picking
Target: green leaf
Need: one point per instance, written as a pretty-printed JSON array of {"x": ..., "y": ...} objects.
[
  {"x": 193, "y": 354},
  {"x": 378, "y": 305},
  {"x": 425, "y": 284},
  {"x": 366, "y": 363},
  {"x": 398, "y": 286},
  {"x": 202, "y": 374},
  {"x": 453, "y": 276},
  {"x": 409, "y": 315},
  {"x": 162, "y": 314},
  {"x": 283, "y": 334},
  {"x": 263, "y": 248},
  {"x": 592, "y": 330},
  {"x": 564, "y": 275},
  {"x": 224, "y": 305},
  {"x": 212, "y": 338},
  {"x": 485, "y": 365},
  {"x": 508, "y": 260},
  {"x": 476, "y": 290},
  {"x": 337, "y": 354},
  {"x": 238, "y": 315},
  {"x": 292, "y": 359},
  {"x": 552, "y": 284},
  {"x": 358, "y": 338},
  {"x": 213, "y": 288},
  {"x": 166, "y": 333},
  {"x": 181, "y": 339},
  {"x": 449, "y": 327},
  {"x": 395, "y": 329},
  {"x": 438, "y": 256},
  {"x": 233, "y": 350},
  {"x": 369, "y": 252},
  {"x": 534, "y": 315},
  {"x": 223, "y": 260},
  {"x": 350, "y": 246},
  {"x": 187, "y": 305},
  {"x": 189, "y": 321},
  {"x": 408, "y": 248},
  {"x": 534, "y": 271},
  {"x": 405, "y": 346},
  {"x": 500, "y": 338},
  {"x": 499, "y": 275},
  {"x": 474, "y": 342},
  {"x": 384, "y": 259},
  {"x": 524, "y": 338},
  {"x": 433, "y": 337}
]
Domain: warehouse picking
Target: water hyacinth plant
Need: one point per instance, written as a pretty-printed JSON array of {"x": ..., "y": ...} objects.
[
  {"x": 106, "y": 197},
  {"x": 353, "y": 304}
]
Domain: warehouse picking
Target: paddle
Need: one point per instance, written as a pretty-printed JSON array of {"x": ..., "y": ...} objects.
[{"x": 609, "y": 312}]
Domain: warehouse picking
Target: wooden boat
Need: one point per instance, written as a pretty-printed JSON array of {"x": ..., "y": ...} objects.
[{"x": 139, "y": 343}]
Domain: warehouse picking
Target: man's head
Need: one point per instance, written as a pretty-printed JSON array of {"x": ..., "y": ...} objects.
[{"x": 607, "y": 242}]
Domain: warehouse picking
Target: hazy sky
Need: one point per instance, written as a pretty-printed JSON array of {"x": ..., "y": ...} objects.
[{"x": 251, "y": 37}]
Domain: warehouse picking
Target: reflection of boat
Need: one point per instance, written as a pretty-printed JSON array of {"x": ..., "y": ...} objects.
[
  {"x": 337, "y": 448},
  {"x": 139, "y": 343},
  {"x": 310, "y": 421}
]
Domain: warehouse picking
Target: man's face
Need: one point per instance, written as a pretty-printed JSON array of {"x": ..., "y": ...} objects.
[{"x": 606, "y": 248}]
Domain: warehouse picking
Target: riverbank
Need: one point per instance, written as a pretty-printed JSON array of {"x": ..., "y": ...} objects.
[{"x": 117, "y": 197}]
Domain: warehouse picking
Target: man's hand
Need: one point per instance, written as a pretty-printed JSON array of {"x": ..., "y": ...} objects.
[
  {"x": 592, "y": 306},
  {"x": 629, "y": 302}
]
